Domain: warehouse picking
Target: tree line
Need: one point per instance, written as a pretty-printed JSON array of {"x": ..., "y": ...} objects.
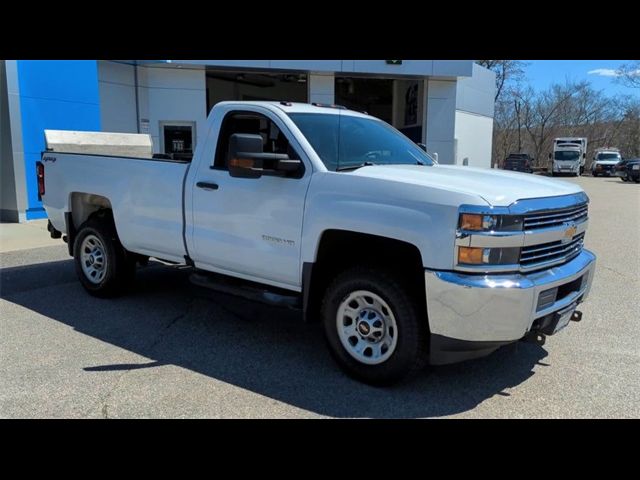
[{"x": 527, "y": 120}]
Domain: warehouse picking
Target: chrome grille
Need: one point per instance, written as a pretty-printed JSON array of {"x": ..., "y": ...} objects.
[
  {"x": 553, "y": 218},
  {"x": 537, "y": 256}
]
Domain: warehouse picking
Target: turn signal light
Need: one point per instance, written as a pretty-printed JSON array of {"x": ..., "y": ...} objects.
[{"x": 470, "y": 255}]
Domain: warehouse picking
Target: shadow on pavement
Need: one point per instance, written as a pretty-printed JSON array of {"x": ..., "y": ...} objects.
[
  {"x": 264, "y": 349},
  {"x": 612, "y": 180}
]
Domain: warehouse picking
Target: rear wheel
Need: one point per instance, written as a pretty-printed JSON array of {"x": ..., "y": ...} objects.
[
  {"x": 103, "y": 266},
  {"x": 373, "y": 326}
]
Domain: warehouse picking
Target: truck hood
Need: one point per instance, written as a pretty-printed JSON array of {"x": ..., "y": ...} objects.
[
  {"x": 606, "y": 162},
  {"x": 496, "y": 187}
]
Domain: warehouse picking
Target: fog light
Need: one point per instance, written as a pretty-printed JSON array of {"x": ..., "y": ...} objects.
[{"x": 470, "y": 255}]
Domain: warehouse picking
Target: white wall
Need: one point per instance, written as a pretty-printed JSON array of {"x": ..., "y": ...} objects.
[
  {"x": 322, "y": 88},
  {"x": 476, "y": 94},
  {"x": 117, "y": 97},
  {"x": 474, "y": 134},
  {"x": 164, "y": 94},
  {"x": 172, "y": 94},
  {"x": 440, "y": 119}
]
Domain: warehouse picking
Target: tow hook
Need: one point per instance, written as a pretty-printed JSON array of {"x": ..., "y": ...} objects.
[
  {"x": 535, "y": 337},
  {"x": 577, "y": 316}
]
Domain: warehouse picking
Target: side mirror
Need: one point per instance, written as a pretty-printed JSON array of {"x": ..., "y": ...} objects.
[
  {"x": 246, "y": 159},
  {"x": 243, "y": 156},
  {"x": 584, "y": 155},
  {"x": 549, "y": 156}
]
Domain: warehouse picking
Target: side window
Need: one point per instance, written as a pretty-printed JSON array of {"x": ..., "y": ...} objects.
[{"x": 273, "y": 140}]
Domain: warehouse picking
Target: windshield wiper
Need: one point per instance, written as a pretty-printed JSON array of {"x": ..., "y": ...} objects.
[{"x": 354, "y": 167}]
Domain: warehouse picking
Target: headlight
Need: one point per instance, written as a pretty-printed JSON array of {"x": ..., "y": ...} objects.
[
  {"x": 488, "y": 256},
  {"x": 475, "y": 222}
]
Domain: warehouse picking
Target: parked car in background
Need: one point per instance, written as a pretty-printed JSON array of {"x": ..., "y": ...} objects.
[
  {"x": 569, "y": 156},
  {"x": 604, "y": 161},
  {"x": 621, "y": 169},
  {"x": 518, "y": 162},
  {"x": 633, "y": 170}
]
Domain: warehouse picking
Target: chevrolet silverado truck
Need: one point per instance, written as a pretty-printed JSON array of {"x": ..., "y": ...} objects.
[{"x": 404, "y": 261}]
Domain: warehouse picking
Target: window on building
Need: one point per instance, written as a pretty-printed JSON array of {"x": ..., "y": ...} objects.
[{"x": 178, "y": 140}]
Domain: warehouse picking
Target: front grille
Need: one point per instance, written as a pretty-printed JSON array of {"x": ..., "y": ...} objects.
[
  {"x": 553, "y": 218},
  {"x": 532, "y": 256}
]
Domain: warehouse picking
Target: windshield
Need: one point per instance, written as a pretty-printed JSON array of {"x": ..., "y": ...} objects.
[
  {"x": 345, "y": 141},
  {"x": 566, "y": 155},
  {"x": 608, "y": 156}
]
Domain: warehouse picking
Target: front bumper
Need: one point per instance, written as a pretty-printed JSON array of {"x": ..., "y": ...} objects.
[
  {"x": 603, "y": 169},
  {"x": 566, "y": 168},
  {"x": 472, "y": 315}
]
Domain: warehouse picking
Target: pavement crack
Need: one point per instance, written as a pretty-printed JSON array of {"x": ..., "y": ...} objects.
[
  {"x": 622, "y": 274},
  {"x": 161, "y": 336},
  {"x": 104, "y": 409}
]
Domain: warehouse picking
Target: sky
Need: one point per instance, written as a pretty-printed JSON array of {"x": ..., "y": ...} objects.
[{"x": 601, "y": 73}]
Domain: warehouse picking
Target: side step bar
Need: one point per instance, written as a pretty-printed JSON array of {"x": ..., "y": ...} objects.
[{"x": 250, "y": 291}]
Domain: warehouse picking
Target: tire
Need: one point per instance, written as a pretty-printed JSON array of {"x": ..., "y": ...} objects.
[
  {"x": 406, "y": 341},
  {"x": 104, "y": 267},
  {"x": 594, "y": 174}
]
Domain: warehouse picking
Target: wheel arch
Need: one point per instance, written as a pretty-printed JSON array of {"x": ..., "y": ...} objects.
[
  {"x": 340, "y": 249},
  {"x": 82, "y": 206}
]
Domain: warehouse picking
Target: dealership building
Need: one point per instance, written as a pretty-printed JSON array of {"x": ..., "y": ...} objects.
[{"x": 445, "y": 104}]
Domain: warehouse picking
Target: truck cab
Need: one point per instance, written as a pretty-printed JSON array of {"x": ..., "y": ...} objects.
[
  {"x": 569, "y": 156},
  {"x": 604, "y": 162}
]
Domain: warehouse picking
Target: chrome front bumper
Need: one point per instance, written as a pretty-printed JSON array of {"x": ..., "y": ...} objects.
[{"x": 499, "y": 308}]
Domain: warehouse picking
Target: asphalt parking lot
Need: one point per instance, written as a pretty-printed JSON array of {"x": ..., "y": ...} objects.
[{"x": 171, "y": 350}]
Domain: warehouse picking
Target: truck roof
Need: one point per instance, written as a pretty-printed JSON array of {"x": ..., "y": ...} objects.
[{"x": 300, "y": 107}]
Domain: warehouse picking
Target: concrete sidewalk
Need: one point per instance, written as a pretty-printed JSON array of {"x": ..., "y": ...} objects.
[{"x": 21, "y": 236}]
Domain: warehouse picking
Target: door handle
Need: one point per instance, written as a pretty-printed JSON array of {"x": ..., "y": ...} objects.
[{"x": 207, "y": 185}]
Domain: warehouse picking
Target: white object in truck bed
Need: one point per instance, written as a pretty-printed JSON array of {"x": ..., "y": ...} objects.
[{"x": 137, "y": 145}]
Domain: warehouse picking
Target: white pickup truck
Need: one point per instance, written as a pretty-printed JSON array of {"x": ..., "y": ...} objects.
[{"x": 333, "y": 211}]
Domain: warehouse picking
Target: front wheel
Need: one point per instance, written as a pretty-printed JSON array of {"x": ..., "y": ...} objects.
[{"x": 373, "y": 326}]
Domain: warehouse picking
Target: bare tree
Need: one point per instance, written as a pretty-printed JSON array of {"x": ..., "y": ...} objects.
[
  {"x": 506, "y": 71},
  {"x": 541, "y": 114},
  {"x": 629, "y": 74}
]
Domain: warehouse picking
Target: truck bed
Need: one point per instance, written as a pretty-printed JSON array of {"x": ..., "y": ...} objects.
[{"x": 145, "y": 195}]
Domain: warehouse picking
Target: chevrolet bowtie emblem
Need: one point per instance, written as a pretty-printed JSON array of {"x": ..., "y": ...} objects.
[{"x": 569, "y": 232}]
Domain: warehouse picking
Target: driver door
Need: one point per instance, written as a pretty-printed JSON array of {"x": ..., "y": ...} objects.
[{"x": 250, "y": 227}]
